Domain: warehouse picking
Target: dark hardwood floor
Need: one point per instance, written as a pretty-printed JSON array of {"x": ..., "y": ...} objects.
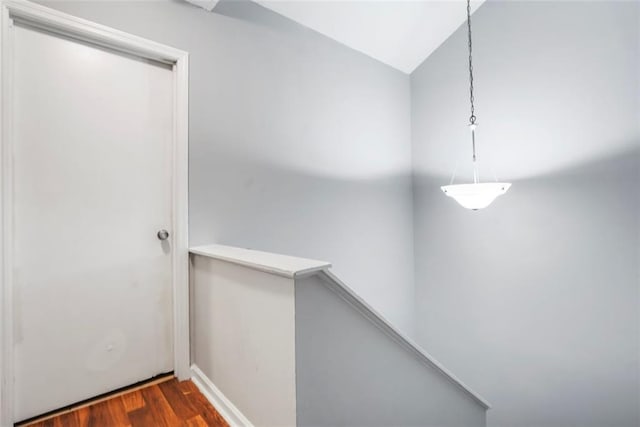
[{"x": 165, "y": 404}]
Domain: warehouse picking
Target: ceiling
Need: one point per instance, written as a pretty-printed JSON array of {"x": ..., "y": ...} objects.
[{"x": 399, "y": 33}]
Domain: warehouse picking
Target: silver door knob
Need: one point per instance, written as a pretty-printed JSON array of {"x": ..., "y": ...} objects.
[{"x": 163, "y": 234}]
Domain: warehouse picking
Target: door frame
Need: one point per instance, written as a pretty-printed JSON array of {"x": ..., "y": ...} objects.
[{"x": 70, "y": 26}]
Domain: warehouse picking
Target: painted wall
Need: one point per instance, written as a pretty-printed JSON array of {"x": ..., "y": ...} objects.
[
  {"x": 309, "y": 352},
  {"x": 298, "y": 145},
  {"x": 349, "y": 372},
  {"x": 534, "y": 301},
  {"x": 296, "y": 139},
  {"x": 243, "y": 329}
]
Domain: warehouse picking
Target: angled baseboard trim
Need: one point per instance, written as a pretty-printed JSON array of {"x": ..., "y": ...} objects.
[
  {"x": 223, "y": 405},
  {"x": 347, "y": 294}
]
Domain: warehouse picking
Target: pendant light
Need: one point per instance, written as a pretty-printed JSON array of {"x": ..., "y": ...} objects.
[{"x": 476, "y": 195}]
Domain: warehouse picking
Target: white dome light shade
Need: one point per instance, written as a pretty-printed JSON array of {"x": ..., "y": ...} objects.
[{"x": 476, "y": 196}]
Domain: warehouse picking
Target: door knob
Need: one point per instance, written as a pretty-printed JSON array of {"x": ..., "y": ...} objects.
[{"x": 163, "y": 234}]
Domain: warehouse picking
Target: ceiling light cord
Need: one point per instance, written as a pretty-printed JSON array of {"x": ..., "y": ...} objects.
[
  {"x": 476, "y": 195},
  {"x": 472, "y": 118}
]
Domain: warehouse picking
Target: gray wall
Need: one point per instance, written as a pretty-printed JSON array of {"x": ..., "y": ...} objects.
[
  {"x": 351, "y": 373},
  {"x": 298, "y": 145},
  {"x": 534, "y": 301},
  {"x": 296, "y": 139}
]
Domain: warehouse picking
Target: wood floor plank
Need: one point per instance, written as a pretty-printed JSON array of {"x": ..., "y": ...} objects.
[
  {"x": 125, "y": 390},
  {"x": 188, "y": 387},
  {"x": 99, "y": 415},
  {"x": 69, "y": 419},
  {"x": 180, "y": 404},
  {"x": 207, "y": 411},
  {"x": 132, "y": 401},
  {"x": 83, "y": 416},
  {"x": 196, "y": 421},
  {"x": 118, "y": 413},
  {"x": 159, "y": 407},
  {"x": 202, "y": 405},
  {"x": 160, "y": 404},
  {"x": 141, "y": 417}
]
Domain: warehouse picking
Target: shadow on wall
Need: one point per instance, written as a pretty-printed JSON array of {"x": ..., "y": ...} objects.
[
  {"x": 301, "y": 146},
  {"x": 545, "y": 288},
  {"x": 615, "y": 173},
  {"x": 557, "y": 85},
  {"x": 363, "y": 226}
]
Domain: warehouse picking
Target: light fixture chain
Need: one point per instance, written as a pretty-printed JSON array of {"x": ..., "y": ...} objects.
[
  {"x": 475, "y": 195},
  {"x": 472, "y": 118}
]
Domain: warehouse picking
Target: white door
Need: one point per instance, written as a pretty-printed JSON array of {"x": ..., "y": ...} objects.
[{"x": 92, "y": 132}]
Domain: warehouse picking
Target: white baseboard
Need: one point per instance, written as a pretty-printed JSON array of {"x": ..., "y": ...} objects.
[{"x": 229, "y": 412}]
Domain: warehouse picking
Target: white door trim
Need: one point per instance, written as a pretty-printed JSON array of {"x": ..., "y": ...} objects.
[{"x": 58, "y": 22}]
